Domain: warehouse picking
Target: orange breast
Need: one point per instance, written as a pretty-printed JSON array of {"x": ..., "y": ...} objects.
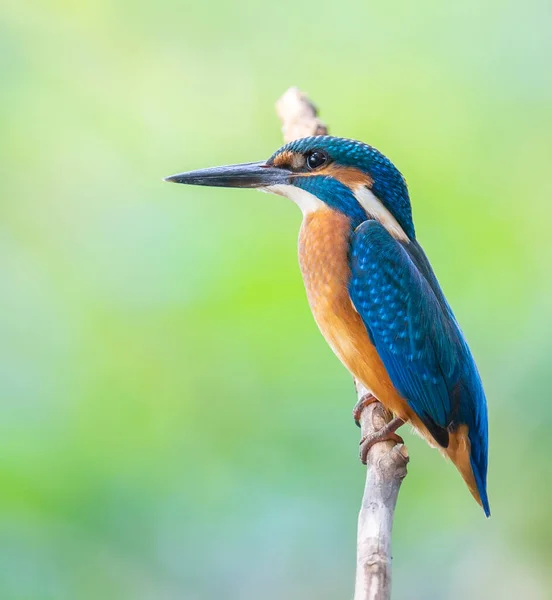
[{"x": 323, "y": 257}]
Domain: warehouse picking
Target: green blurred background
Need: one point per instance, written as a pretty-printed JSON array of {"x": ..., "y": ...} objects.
[{"x": 172, "y": 423}]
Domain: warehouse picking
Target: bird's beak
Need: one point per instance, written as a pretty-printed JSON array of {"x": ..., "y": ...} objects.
[{"x": 247, "y": 175}]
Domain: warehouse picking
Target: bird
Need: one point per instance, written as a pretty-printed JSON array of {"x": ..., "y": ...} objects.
[{"x": 374, "y": 294}]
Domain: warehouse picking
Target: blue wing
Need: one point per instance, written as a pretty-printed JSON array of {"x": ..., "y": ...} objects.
[{"x": 417, "y": 337}]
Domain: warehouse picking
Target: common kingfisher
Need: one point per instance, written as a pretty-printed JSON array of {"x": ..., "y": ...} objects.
[{"x": 373, "y": 293}]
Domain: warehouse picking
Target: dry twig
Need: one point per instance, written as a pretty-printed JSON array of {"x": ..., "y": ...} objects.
[{"x": 386, "y": 462}]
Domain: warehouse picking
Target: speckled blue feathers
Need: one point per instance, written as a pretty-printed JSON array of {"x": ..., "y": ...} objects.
[
  {"x": 393, "y": 288},
  {"x": 418, "y": 339},
  {"x": 388, "y": 183}
]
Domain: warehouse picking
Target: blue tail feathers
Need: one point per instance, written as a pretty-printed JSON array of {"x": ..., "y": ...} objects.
[{"x": 478, "y": 460}]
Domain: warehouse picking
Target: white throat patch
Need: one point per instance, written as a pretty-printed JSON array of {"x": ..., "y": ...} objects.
[{"x": 307, "y": 202}]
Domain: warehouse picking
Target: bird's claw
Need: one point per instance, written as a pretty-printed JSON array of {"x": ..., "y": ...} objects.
[
  {"x": 365, "y": 401},
  {"x": 385, "y": 434}
]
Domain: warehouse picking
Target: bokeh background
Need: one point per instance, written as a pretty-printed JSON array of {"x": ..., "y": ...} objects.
[{"x": 172, "y": 424}]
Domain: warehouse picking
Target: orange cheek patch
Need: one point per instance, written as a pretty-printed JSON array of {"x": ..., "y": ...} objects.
[{"x": 349, "y": 176}]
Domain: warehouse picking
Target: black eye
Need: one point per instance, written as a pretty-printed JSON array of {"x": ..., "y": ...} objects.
[{"x": 316, "y": 159}]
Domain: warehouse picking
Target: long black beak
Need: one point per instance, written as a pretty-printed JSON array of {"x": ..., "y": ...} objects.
[{"x": 247, "y": 175}]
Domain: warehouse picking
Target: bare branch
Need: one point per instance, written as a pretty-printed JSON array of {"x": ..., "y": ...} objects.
[
  {"x": 299, "y": 116},
  {"x": 386, "y": 468},
  {"x": 386, "y": 461}
]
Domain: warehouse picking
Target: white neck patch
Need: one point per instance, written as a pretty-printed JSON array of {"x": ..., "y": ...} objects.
[
  {"x": 375, "y": 209},
  {"x": 307, "y": 202}
]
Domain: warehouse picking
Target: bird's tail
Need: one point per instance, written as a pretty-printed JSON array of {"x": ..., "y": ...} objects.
[{"x": 465, "y": 454}]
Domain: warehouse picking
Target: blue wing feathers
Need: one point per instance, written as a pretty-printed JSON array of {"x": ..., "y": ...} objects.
[{"x": 394, "y": 290}]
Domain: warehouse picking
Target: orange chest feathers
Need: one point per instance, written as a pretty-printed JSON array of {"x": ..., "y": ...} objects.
[
  {"x": 324, "y": 261},
  {"x": 323, "y": 258}
]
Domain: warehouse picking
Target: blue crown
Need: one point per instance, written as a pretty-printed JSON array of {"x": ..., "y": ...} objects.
[{"x": 388, "y": 183}]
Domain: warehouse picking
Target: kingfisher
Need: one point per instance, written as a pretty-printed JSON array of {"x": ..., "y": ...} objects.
[{"x": 373, "y": 293}]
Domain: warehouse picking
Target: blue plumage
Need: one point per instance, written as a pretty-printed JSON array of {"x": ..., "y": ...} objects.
[
  {"x": 335, "y": 195},
  {"x": 391, "y": 284},
  {"x": 419, "y": 341},
  {"x": 388, "y": 183}
]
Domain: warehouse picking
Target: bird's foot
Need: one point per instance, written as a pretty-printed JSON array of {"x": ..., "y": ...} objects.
[
  {"x": 365, "y": 401},
  {"x": 385, "y": 434}
]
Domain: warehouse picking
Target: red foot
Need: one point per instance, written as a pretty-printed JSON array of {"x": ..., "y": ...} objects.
[
  {"x": 385, "y": 434},
  {"x": 365, "y": 401}
]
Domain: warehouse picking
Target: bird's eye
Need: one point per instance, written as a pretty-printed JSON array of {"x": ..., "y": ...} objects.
[{"x": 316, "y": 159}]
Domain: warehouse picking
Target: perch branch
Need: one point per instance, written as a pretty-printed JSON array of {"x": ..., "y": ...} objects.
[{"x": 386, "y": 461}]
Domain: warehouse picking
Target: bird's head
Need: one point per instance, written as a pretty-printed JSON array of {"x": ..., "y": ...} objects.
[{"x": 324, "y": 171}]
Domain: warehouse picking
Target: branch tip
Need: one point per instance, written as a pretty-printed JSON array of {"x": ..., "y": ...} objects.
[{"x": 386, "y": 461}]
